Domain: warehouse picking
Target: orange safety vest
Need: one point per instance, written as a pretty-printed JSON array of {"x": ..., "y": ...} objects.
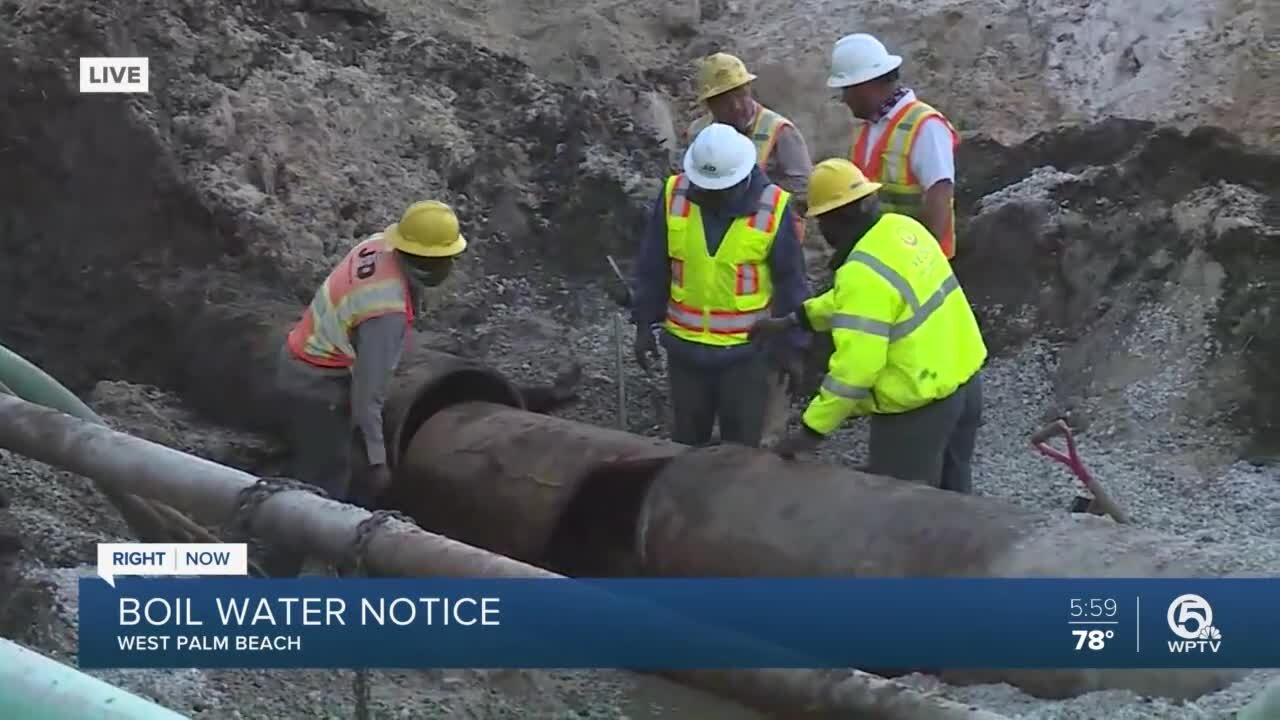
[
  {"x": 764, "y": 134},
  {"x": 890, "y": 164},
  {"x": 368, "y": 283}
]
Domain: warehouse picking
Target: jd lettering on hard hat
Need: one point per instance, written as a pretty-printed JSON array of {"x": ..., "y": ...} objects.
[
  {"x": 719, "y": 157},
  {"x": 858, "y": 58}
]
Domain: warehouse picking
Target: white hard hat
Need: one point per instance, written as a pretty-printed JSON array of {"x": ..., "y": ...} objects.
[
  {"x": 719, "y": 157},
  {"x": 858, "y": 58}
]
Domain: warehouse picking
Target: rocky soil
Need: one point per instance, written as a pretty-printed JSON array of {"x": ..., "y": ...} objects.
[{"x": 1125, "y": 272}]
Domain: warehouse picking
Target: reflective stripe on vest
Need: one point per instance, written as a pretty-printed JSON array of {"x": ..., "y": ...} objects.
[
  {"x": 921, "y": 311},
  {"x": 889, "y": 163},
  {"x": 367, "y": 283},
  {"x": 720, "y": 318}
]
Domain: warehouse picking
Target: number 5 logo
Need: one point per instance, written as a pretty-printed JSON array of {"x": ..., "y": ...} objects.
[{"x": 1185, "y": 608}]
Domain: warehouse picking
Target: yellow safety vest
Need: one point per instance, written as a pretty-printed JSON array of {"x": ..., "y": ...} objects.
[
  {"x": 890, "y": 164},
  {"x": 904, "y": 333},
  {"x": 714, "y": 300},
  {"x": 764, "y": 131}
]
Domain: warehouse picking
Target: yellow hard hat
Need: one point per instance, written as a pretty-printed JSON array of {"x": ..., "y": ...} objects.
[
  {"x": 835, "y": 183},
  {"x": 427, "y": 229},
  {"x": 720, "y": 73}
]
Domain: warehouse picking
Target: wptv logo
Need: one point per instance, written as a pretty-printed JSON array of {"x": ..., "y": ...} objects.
[{"x": 1191, "y": 619}]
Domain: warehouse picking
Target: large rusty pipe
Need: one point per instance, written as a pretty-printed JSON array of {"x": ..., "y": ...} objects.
[
  {"x": 432, "y": 382},
  {"x": 736, "y": 512},
  {"x": 504, "y": 479},
  {"x": 299, "y": 520}
]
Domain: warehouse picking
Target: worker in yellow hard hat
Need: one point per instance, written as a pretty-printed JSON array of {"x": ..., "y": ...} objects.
[
  {"x": 724, "y": 88},
  {"x": 338, "y": 360},
  {"x": 908, "y": 351}
]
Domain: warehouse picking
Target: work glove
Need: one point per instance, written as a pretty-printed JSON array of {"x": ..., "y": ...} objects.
[
  {"x": 769, "y": 328},
  {"x": 801, "y": 441},
  {"x": 646, "y": 347}
]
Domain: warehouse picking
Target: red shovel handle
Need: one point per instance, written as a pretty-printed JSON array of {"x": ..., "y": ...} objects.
[{"x": 1040, "y": 440}]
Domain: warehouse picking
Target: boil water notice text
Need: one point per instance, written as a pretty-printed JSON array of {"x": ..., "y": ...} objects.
[
  {"x": 263, "y": 624},
  {"x": 164, "y": 611}
]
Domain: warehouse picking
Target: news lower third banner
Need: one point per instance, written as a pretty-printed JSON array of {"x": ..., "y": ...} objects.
[{"x": 316, "y": 622}]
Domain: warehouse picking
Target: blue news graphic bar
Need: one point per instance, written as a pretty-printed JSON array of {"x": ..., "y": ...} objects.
[{"x": 679, "y": 624}]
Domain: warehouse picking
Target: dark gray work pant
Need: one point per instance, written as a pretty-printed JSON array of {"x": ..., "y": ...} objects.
[
  {"x": 735, "y": 394},
  {"x": 316, "y": 408},
  {"x": 932, "y": 445}
]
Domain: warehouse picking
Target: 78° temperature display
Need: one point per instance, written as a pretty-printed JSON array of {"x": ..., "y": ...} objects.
[{"x": 1092, "y": 639}]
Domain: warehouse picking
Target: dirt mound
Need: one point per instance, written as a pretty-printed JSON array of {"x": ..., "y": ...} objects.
[
  {"x": 272, "y": 140},
  {"x": 1151, "y": 256},
  {"x": 1011, "y": 69},
  {"x": 1121, "y": 269}
]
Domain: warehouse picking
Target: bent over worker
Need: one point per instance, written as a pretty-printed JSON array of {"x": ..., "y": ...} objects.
[
  {"x": 338, "y": 360},
  {"x": 898, "y": 141},
  {"x": 908, "y": 351},
  {"x": 718, "y": 255}
]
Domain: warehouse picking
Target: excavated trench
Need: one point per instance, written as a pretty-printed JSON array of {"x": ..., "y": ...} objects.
[{"x": 121, "y": 265}]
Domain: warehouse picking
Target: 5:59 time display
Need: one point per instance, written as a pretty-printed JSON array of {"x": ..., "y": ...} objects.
[{"x": 1094, "y": 607}]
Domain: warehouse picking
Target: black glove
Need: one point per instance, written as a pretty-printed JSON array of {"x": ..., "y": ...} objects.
[
  {"x": 769, "y": 328},
  {"x": 802, "y": 441},
  {"x": 646, "y": 346}
]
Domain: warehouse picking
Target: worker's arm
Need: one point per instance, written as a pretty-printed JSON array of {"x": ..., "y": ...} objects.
[
  {"x": 651, "y": 275},
  {"x": 378, "y": 342},
  {"x": 790, "y": 283},
  {"x": 815, "y": 314},
  {"x": 791, "y": 167},
  {"x": 933, "y": 163},
  {"x": 866, "y": 306}
]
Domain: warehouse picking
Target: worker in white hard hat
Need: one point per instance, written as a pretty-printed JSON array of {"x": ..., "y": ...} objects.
[
  {"x": 908, "y": 350},
  {"x": 338, "y": 360},
  {"x": 898, "y": 140},
  {"x": 724, "y": 88},
  {"x": 719, "y": 254}
]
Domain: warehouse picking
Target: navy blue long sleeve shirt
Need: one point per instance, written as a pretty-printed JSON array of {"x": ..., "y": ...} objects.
[{"x": 652, "y": 274}]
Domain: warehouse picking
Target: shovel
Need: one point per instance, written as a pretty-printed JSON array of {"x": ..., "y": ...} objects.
[{"x": 1102, "y": 503}]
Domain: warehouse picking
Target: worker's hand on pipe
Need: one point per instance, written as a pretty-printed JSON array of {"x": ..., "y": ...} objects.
[
  {"x": 802, "y": 441},
  {"x": 769, "y": 328},
  {"x": 646, "y": 347}
]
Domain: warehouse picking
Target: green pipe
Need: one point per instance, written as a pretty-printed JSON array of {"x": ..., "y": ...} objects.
[
  {"x": 19, "y": 377},
  {"x": 34, "y": 687},
  {"x": 34, "y": 385}
]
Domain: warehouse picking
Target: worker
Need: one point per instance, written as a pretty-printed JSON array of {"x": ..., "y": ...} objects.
[
  {"x": 719, "y": 253},
  {"x": 724, "y": 87},
  {"x": 338, "y": 360},
  {"x": 908, "y": 351},
  {"x": 898, "y": 140}
]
